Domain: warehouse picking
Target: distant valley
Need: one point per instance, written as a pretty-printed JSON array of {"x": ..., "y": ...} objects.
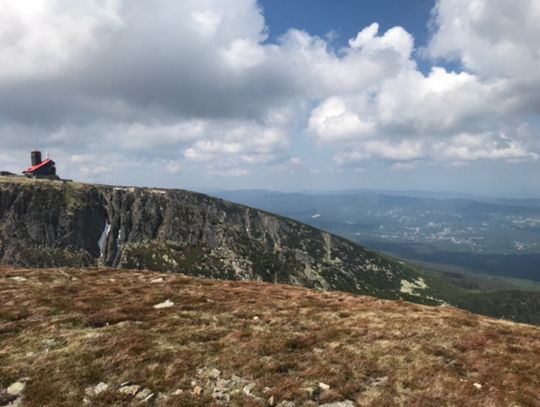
[{"x": 500, "y": 237}]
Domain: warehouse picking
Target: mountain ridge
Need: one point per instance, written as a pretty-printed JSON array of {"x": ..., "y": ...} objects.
[
  {"x": 55, "y": 224},
  {"x": 51, "y": 224}
]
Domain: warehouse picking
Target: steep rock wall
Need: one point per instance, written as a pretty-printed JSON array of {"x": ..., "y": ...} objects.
[{"x": 48, "y": 224}]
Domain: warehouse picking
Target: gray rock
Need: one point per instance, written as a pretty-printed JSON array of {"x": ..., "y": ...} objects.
[
  {"x": 130, "y": 390},
  {"x": 286, "y": 404},
  {"x": 16, "y": 389},
  {"x": 165, "y": 304},
  {"x": 100, "y": 388},
  {"x": 324, "y": 386},
  {"x": 18, "y": 402},
  {"x": 248, "y": 388},
  {"x": 49, "y": 224},
  {"x": 145, "y": 395},
  {"x": 18, "y": 279},
  {"x": 346, "y": 403}
]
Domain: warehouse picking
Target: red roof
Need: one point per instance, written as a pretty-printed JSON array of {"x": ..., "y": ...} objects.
[{"x": 40, "y": 165}]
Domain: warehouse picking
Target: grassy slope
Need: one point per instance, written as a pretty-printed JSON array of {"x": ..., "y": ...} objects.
[{"x": 72, "y": 328}]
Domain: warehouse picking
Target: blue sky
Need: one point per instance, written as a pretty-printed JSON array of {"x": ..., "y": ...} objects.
[
  {"x": 346, "y": 17},
  {"x": 285, "y": 95}
]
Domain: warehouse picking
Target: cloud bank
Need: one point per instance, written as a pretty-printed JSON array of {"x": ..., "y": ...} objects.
[{"x": 197, "y": 87}]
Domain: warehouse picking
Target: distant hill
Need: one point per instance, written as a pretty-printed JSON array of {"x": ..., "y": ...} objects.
[
  {"x": 493, "y": 236},
  {"x": 104, "y": 337}
]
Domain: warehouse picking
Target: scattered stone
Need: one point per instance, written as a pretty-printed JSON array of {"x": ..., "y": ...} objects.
[
  {"x": 18, "y": 279},
  {"x": 92, "y": 391},
  {"x": 256, "y": 319},
  {"x": 130, "y": 390},
  {"x": 286, "y": 404},
  {"x": 128, "y": 383},
  {"x": 151, "y": 397},
  {"x": 248, "y": 388},
  {"x": 220, "y": 388},
  {"x": 165, "y": 304},
  {"x": 145, "y": 395},
  {"x": 178, "y": 392},
  {"x": 12, "y": 402},
  {"x": 324, "y": 386},
  {"x": 346, "y": 403},
  {"x": 271, "y": 401},
  {"x": 478, "y": 386},
  {"x": 16, "y": 388},
  {"x": 157, "y": 280}
]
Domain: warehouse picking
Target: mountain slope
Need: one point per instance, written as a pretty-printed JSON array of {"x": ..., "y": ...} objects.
[
  {"x": 45, "y": 223},
  {"x": 190, "y": 342}
]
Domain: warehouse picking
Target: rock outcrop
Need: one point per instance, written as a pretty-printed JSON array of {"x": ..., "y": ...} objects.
[{"x": 55, "y": 224}]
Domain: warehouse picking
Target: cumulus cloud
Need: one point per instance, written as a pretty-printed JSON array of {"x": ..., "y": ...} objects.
[
  {"x": 42, "y": 38},
  {"x": 203, "y": 89},
  {"x": 448, "y": 116},
  {"x": 493, "y": 39}
]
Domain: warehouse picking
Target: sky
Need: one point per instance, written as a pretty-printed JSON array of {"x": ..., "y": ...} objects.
[{"x": 276, "y": 94}]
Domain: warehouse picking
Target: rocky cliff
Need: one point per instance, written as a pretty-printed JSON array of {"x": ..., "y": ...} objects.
[{"x": 50, "y": 224}]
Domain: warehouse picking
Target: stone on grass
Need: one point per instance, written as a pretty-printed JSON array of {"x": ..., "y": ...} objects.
[
  {"x": 16, "y": 388},
  {"x": 100, "y": 388},
  {"x": 286, "y": 404},
  {"x": 18, "y": 279},
  {"x": 165, "y": 304},
  {"x": 130, "y": 390},
  {"x": 324, "y": 386},
  {"x": 145, "y": 395},
  {"x": 248, "y": 388},
  {"x": 346, "y": 403}
]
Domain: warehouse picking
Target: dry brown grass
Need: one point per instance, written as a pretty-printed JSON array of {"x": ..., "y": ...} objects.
[{"x": 69, "y": 329}]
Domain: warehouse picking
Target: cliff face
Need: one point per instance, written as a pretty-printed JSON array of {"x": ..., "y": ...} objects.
[{"x": 51, "y": 224}]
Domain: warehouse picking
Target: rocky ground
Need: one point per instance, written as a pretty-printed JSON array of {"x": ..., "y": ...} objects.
[{"x": 100, "y": 337}]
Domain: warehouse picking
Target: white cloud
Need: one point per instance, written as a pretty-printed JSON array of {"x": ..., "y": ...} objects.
[
  {"x": 43, "y": 37},
  {"x": 201, "y": 89},
  {"x": 243, "y": 54},
  {"x": 333, "y": 121},
  {"x": 382, "y": 149},
  {"x": 395, "y": 40},
  {"x": 470, "y": 147},
  {"x": 207, "y": 21},
  {"x": 494, "y": 39},
  {"x": 238, "y": 143}
]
